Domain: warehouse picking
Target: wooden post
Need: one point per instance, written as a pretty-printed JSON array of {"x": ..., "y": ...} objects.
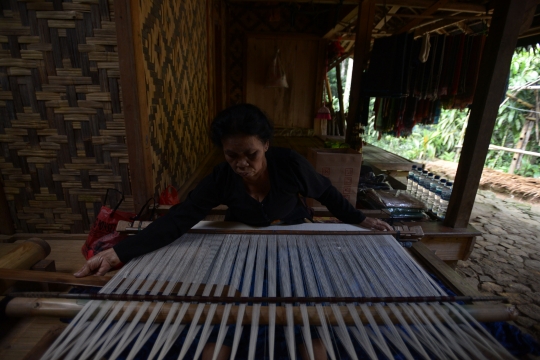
[
  {"x": 6, "y": 222},
  {"x": 134, "y": 100},
  {"x": 494, "y": 67},
  {"x": 364, "y": 27},
  {"x": 341, "y": 123}
]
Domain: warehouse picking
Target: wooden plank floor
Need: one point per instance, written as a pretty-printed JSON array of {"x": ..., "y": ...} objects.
[{"x": 18, "y": 336}]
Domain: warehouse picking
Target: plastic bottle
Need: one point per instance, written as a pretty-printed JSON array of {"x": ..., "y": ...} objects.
[
  {"x": 432, "y": 188},
  {"x": 416, "y": 177},
  {"x": 420, "y": 187},
  {"x": 437, "y": 197},
  {"x": 425, "y": 190},
  {"x": 445, "y": 197},
  {"x": 410, "y": 179}
]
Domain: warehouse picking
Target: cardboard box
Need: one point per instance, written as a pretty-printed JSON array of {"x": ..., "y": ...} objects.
[{"x": 341, "y": 166}]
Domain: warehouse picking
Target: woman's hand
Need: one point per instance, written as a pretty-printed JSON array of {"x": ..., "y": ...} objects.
[
  {"x": 99, "y": 264},
  {"x": 372, "y": 223}
]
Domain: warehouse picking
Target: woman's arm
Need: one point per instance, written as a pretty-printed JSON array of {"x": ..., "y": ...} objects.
[
  {"x": 178, "y": 220},
  {"x": 320, "y": 188},
  {"x": 344, "y": 211}
]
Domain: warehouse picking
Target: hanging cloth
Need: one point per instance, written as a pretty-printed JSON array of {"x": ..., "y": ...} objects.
[
  {"x": 424, "y": 50},
  {"x": 458, "y": 65},
  {"x": 387, "y": 74},
  {"x": 447, "y": 65},
  {"x": 439, "y": 63}
]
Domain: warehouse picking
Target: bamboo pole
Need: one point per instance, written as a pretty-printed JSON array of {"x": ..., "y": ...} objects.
[
  {"x": 530, "y": 126},
  {"x": 68, "y": 308},
  {"x": 522, "y": 102},
  {"x": 518, "y": 151},
  {"x": 23, "y": 256},
  {"x": 203, "y": 299},
  {"x": 523, "y": 139}
]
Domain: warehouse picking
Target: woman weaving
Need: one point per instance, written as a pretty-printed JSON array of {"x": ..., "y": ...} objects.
[{"x": 260, "y": 185}]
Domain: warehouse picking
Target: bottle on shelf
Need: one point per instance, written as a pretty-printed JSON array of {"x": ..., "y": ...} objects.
[
  {"x": 437, "y": 197},
  {"x": 432, "y": 188},
  {"x": 416, "y": 178},
  {"x": 425, "y": 190},
  {"x": 410, "y": 179},
  {"x": 445, "y": 197},
  {"x": 420, "y": 187}
]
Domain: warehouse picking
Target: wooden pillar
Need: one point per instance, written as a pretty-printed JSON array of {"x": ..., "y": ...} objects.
[
  {"x": 364, "y": 27},
  {"x": 494, "y": 67},
  {"x": 134, "y": 102}
]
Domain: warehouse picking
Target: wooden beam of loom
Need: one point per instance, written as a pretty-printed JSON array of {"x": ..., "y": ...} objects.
[
  {"x": 494, "y": 67},
  {"x": 68, "y": 308},
  {"x": 444, "y": 272},
  {"x": 52, "y": 277},
  {"x": 415, "y": 22},
  {"x": 402, "y": 233},
  {"x": 68, "y": 279}
]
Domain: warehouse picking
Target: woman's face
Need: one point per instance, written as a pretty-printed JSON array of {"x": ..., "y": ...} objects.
[{"x": 246, "y": 155}]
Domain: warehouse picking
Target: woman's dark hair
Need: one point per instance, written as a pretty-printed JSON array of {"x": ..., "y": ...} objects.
[{"x": 245, "y": 119}]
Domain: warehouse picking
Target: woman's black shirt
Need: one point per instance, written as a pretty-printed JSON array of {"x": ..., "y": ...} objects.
[{"x": 290, "y": 174}]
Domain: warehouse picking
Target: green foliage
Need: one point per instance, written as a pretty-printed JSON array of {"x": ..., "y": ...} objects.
[
  {"x": 428, "y": 142},
  {"x": 332, "y": 79}
]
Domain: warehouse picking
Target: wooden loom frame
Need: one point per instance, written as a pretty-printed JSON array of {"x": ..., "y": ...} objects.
[{"x": 68, "y": 308}]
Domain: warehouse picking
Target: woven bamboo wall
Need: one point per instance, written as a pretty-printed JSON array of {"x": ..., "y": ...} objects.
[
  {"x": 62, "y": 134},
  {"x": 175, "y": 48}
]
